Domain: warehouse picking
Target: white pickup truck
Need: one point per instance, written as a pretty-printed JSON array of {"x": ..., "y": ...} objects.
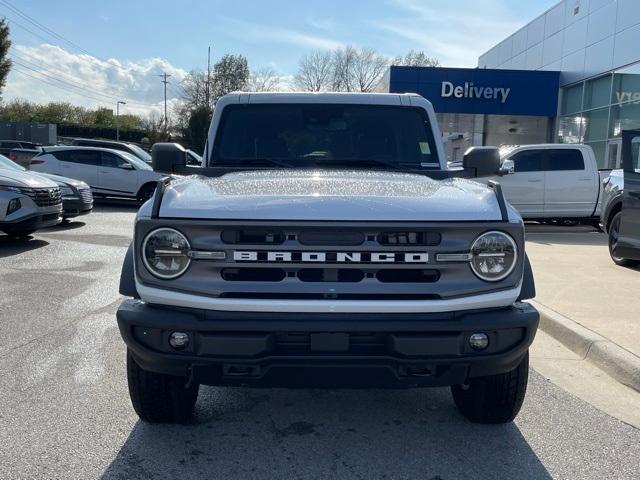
[{"x": 553, "y": 181}]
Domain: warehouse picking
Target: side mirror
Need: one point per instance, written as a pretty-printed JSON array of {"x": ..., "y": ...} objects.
[
  {"x": 168, "y": 157},
  {"x": 484, "y": 161},
  {"x": 508, "y": 167},
  {"x": 126, "y": 166}
]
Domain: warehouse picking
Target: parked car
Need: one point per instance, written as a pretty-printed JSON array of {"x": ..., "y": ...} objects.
[
  {"x": 108, "y": 172},
  {"x": 553, "y": 181},
  {"x": 76, "y": 195},
  {"x": 329, "y": 246},
  {"x": 7, "y": 145},
  {"x": 23, "y": 156},
  {"x": 621, "y": 204},
  {"x": 28, "y": 202},
  {"x": 131, "y": 148}
]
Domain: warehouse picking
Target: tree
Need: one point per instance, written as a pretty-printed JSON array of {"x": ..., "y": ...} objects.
[
  {"x": 193, "y": 89},
  {"x": 347, "y": 69},
  {"x": 264, "y": 79},
  {"x": 197, "y": 127},
  {"x": 5, "y": 44},
  {"x": 416, "y": 59},
  {"x": 367, "y": 68},
  {"x": 230, "y": 74},
  {"x": 315, "y": 72}
]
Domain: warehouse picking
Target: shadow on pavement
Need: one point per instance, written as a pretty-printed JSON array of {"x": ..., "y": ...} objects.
[
  {"x": 243, "y": 433},
  {"x": 10, "y": 246},
  {"x": 64, "y": 226},
  {"x": 115, "y": 205},
  {"x": 561, "y": 235}
]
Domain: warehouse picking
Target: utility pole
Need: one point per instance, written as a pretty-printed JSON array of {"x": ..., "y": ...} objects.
[
  {"x": 164, "y": 77},
  {"x": 120, "y": 102},
  {"x": 208, "y": 87}
]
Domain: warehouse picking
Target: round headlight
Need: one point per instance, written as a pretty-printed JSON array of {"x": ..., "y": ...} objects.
[
  {"x": 165, "y": 253},
  {"x": 493, "y": 256}
]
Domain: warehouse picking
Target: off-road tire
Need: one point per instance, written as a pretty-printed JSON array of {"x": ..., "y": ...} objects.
[
  {"x": 146, "y": 192},
  {"x": 493, "y": 399},
  {"x": 614, "y": 232},
  {"x": 159, "y": 398}
]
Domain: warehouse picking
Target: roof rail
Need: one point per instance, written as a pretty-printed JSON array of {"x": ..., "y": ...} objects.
[{"x": 497, "y": 188}]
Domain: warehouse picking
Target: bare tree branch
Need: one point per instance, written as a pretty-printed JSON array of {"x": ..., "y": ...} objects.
[
  {"x": 264, "y": 79},
  {"x": 416, "y": 59},
  {"x": 315, "y": 72}
]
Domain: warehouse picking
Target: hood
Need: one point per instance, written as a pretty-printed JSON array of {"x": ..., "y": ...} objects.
[
  {"x": 15, "y": 178},
  {"x": 328, "y": 195},
  {"x": 63, "y": 181}
]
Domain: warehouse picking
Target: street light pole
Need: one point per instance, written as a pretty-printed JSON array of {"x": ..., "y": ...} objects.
[{"x": 118, "y": 118}]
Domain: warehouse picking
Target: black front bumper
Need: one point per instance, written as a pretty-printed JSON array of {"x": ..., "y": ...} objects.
[
  {"x": 34, "y": 222},
  {"x": 330, "y": 350},
  {"x": 75, "y": 207}
]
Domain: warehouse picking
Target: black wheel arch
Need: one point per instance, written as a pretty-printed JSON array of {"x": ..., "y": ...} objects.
[
  {"x": 128, "y": 275},
  {"x": 528, "y": 290},
  {"x": 614, "y": 207},
  {"x": 145, "y": 186}
]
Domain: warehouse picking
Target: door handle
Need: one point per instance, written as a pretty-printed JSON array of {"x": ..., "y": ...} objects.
[{"x": 534, "y": 181}]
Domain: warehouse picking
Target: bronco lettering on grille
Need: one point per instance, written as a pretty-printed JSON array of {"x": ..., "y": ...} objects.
[{"x": 329, "y": 257}]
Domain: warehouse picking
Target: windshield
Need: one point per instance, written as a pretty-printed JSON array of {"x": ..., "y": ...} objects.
[
  {"x": 140, "y": 152},
  {"x": 308, "y": 134},
  {"x": 7, "y": 164},
  {"x": 139, "y": 164}
]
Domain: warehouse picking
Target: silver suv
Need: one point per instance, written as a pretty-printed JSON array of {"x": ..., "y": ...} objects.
[{"x": 28, "y": 202}]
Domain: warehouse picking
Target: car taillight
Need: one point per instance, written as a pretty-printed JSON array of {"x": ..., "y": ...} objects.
[
  {"x": 13, "y": 156},
  {"x": 37, "y": 162}
]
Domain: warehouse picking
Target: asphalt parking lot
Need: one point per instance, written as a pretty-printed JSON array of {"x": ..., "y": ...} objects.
[{"x": 65, "y": 410}]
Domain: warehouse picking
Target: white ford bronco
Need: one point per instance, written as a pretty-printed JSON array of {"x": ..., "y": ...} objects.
[{"x": 323, "y": 243}]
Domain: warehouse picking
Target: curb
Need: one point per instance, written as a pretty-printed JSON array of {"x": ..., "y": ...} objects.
[{"x": 617, "y": 362}]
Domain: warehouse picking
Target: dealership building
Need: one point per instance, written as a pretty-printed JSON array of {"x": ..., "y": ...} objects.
[{"x": 571, "y": 75}]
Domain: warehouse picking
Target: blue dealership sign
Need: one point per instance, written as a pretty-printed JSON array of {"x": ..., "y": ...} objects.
[{"x": 481, "y": 91}]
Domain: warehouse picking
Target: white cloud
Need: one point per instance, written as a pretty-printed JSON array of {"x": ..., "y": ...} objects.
[
  {"x": 456, "y": 36},
  {"x": 46, "y": 73}
]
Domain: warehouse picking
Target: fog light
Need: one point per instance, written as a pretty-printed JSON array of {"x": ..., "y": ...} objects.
[
  {"x": 179, "y": 340},
  {"x": 14, "y": 205},
  {"x": 479, "y": 341}
]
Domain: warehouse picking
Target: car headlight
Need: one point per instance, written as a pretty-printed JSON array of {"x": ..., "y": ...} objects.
[
  {"x": 67, "y": 192},
  {"x": 493, "y": 256},
  {"x": 11, "y": 189},
  {"x": 165, "y": 253}
]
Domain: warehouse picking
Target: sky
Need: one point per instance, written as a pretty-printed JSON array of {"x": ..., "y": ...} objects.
[{"x": 96, "y": 53}]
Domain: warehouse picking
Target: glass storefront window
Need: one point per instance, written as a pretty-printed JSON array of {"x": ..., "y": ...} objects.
[
  {"x": 626, "y": 86},
  {"x": 597, "y": 111},
  {"x": 597, "y": 92},
  {"x": 571, "y": 129},
  {"x": 596, "y": 124},
  {"x": 624, "y": 117},
  {"x": 571, "y": 99},
  {"x": 599, "y": 149}
]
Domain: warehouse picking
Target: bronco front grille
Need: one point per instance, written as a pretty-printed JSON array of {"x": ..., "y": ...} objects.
[{"x": 326, "y": 260}]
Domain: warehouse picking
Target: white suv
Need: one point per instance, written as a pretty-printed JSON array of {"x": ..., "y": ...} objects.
[{"x": 108, "y": 172}]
